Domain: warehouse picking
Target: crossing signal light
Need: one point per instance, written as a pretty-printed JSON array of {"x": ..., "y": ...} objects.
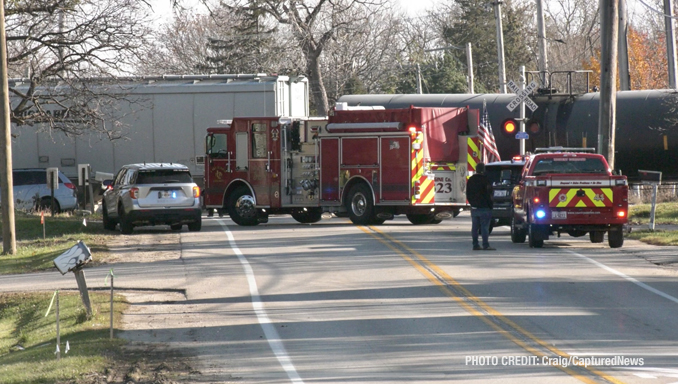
[
  {"x": 533, "y": 127},
  {"x": 509, "y": 127}
]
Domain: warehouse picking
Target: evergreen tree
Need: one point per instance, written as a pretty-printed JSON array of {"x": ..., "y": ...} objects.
[{"x": 474, "y": 22}]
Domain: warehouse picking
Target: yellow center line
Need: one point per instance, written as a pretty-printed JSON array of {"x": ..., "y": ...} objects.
[{"x": 441, "y": 279}]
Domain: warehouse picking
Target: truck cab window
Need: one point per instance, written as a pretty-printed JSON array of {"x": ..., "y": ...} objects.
[
  {"x": 259, "y": 141},
  {"x": 217, "y": 146}
]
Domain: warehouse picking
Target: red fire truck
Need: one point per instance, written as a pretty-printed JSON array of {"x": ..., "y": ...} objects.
[
  {"x": 368, "y": 163},
  {"x": 569, "y": 190}
]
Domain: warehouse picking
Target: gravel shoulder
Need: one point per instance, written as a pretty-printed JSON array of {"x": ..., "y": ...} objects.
[{"x": 148, "y": 356}]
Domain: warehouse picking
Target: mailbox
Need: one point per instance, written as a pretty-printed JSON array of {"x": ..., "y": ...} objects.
[
  {"x": 650, "y": 177},
  {"x": 53, "y": 178},
  {"x": 75, "y": 257}
]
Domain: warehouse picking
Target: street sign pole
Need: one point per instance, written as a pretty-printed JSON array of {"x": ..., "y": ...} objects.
[
  {"x": 522, "y": 99},
  {"x": 522, "y": 109}
]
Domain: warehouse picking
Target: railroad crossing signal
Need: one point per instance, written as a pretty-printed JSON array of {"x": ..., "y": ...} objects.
[{"x": 522, "y": 95}]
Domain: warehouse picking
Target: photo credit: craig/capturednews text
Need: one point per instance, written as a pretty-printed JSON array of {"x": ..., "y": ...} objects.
[{"x": 563, "y": 361}]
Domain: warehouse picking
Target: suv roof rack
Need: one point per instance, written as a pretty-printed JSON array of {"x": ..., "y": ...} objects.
[{"x": 564, "y": 149}]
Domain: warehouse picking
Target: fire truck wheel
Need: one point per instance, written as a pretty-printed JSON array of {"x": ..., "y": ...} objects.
[
  {"x": 310, "y": 215},
  {"x": 534, "y": 242},
  {"x": 596, "y": 237},
  {"x": 456, "y": 212},
  {"x": 615, "y": 237},
  {"x": 241, "y": 207},
  {"x": 518, "y": 235},
  {"x": 419, "y": 219},
  {"x": 360, "y": 205}
]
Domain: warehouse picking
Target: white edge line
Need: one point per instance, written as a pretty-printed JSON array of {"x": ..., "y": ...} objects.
[
  {"x": 272, "y": 336},
  {"x": 626, "y": 277}
]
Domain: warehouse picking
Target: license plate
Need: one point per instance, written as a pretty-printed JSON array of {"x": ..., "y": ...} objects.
[
  {"x": 500, "y": 193},
  {"x": 165, "y": 194},
  {"x": 559, "y": 215}
]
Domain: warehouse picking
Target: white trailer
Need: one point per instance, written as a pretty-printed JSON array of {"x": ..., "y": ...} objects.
[{"x": 165, "y": 123}]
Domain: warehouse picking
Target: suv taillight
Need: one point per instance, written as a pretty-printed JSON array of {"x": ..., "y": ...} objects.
[
  {"x": 196, "y": 192},
  {"x": 134, "y": 193},
  {"x": 69, "y": 185}
]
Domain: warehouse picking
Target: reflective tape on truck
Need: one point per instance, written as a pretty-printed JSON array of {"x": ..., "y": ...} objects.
[
  {"x": 580, "y": 197},
  {"x": 473, "y": 156},
  {"x": 422, "y": 186}
]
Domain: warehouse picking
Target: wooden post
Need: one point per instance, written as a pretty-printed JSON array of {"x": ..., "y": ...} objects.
[
  {"x": 82, "y": 287},
  {"x": 58, "y": 350},
  {"x": 112, "y": 277},
  {"x": 6, "y": 190},
  {"x": 654, "y": 206}
]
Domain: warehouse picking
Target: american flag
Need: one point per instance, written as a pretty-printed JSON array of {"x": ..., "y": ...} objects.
[{"x": 490, "y": 152}]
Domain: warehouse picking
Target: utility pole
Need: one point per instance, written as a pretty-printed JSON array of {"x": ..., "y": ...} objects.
[
  {"x": 500, "y": 47},
  {"x": 541, "y": 34},
  {"x": 624, "y": 73},
  {"x": 609, "y": 16},
  {"x": 6, "y": 183},
  {"x": 523, "y": 80},
  {"x": 419, "y": 90},
  {"x": 670, "y": 26},
  {"x": 469, "y": 62}
]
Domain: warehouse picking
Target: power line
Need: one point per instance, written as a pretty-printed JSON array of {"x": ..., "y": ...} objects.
[{"x": 656, "y": 10}]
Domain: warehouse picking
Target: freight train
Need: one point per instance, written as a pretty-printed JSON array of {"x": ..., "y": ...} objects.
[{"x": 646, "y": 123}]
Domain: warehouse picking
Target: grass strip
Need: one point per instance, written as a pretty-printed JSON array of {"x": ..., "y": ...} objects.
[
  {"x": 35, "y": 253},
  {"x": 28, "y": 338}
]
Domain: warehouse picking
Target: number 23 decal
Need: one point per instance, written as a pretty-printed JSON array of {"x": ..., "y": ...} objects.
[{"x": 443, "y": 187}]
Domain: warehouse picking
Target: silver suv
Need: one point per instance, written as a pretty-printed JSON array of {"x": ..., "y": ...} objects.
[
  {"x": 32, "y": 193},
  {"x": 152, "y": 194}
]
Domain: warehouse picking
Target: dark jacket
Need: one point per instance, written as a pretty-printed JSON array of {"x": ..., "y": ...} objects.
[{"x": 479, "y": 191}]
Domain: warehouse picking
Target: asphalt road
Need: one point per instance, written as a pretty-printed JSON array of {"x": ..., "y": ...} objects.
[{"x": 397, "y": 303}]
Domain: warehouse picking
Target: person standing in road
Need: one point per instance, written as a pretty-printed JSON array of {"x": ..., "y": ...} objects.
[{"x": 479, "y": 195}]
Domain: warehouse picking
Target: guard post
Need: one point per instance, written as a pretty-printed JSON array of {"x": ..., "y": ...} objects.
[
  {"x": 53, "y": 184},
  {"x": 653, "y": 178}
]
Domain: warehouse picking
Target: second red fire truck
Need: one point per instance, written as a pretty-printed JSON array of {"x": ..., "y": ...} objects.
[{"x": 370, "y": 164}]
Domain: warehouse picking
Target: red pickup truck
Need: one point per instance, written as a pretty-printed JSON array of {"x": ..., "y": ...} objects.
[{"x": 571, "y": 191}]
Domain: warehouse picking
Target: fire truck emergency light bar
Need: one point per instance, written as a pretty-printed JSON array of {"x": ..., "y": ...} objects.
[
  {"x": 563, "y": 149},
  {"x": 390, "y": 125}
]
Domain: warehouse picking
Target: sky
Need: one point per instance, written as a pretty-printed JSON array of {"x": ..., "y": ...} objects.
[{"x": 163, "y": 9}]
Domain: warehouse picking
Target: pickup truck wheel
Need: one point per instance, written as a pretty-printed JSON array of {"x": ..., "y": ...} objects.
[
  {"x": 596, "y": 237},
  {"x": 518, "y": 235},
  {"x": 534, "y": 243},
  {"x": 109, "y": 224},
  {"x": 615, "y": 237},
  {"x": 309, "y": 216},
  {"x": 195, "y": 226},
  {"x": 360, "y": 205},
  {"x": 241, "y": 207}
]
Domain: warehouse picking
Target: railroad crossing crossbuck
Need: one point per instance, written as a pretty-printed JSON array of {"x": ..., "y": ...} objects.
[{"x": 522, "y": 95}]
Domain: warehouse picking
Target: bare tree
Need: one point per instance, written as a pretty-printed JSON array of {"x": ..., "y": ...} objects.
[
  {"x": 179, "y": 47},
  {"x": 53, "y": 46},
  {"x": 364, "y": 59},
  {"x": 313, "y": 24}
]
